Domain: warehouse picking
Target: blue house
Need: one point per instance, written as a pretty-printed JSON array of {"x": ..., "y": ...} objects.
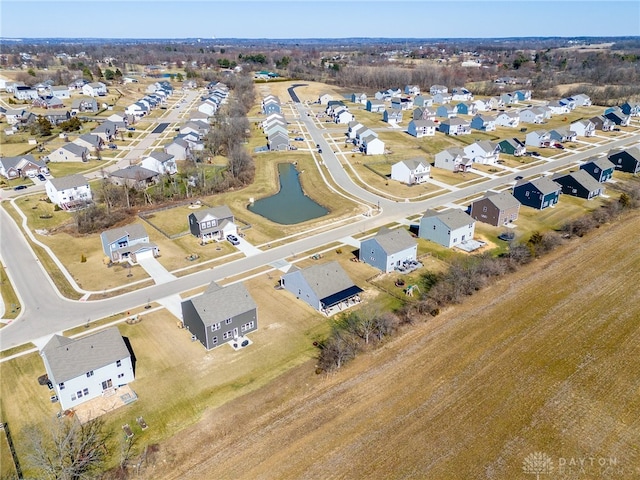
[
  {"x": 374, "y": 105},
  {"x": 599, "y": 168},
  {"x": 447, "y": 111},
  {"x": 632, "y": 109},
  {"x": 579, "y": 184},
  {"x": 466, "y": 108},
  {"x": 271, "y": 107},
  {"x": 539, "y": 193},
  {"x": 485, "y": 123},
  {"x": 388, "y": 249}
]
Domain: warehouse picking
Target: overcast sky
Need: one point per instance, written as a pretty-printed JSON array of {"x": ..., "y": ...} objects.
[{"x": 317, "y": 19}]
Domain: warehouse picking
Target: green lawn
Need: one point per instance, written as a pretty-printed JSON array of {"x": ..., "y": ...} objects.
[{"x": 9, "y": 297}]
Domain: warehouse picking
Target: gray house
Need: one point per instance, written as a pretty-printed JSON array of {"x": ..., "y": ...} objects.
[
  {"x": 221, "y": 315},
  {"x": 448, "y": 228},
  {"x": 325, "y": 287},
  {"x": 212, "y": 224},
  {"x": 496, "y": 208},
  {"x": 388, "y": 249},
  {"x": 127, "y": 243}
]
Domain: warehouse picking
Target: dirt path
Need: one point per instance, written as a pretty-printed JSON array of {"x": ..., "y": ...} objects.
[{"x": 546, "y": 360}]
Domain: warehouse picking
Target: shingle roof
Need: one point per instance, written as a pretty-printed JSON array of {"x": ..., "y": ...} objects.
[
  {"x": 393, "y": 241},
  {"x": 413, "y": 163},
  {"x": 70, "y": 358},
  {"x": 76, "y": 149},
  {"x": 583, "y": 178},
  {"x": 454, "y": 218},
  {"x": 218, "y": 303},
  {"x": 544, "y": 184},
  {"x": 221, "y": 211},
  {"x": 161, "y": 156},
  {"x": 502, "y": 200},
  {"x": 326, "y": 279},
  {"x": 134, "y": 172},
  {"x": 70, "y": 181},
  {"x": 134, "y": 231}
]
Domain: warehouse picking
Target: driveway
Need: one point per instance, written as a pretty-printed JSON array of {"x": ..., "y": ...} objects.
[
  {"x": 246, "y": 248},
  {"x": 155, "y": 270}
]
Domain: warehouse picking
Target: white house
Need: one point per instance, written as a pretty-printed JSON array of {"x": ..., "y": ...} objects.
[
  {"x": 484, "y": 152},
  {"x": 411, "y": 171},
  {"x": 453, "y": 159},
  {"x": 60, "y": 91},
  {"x": 538, "y": 138},
  {"x": 325, "y": 98},
  {"x": 94, "y": 89},
  {"x": 179, "y": 149},
  {"x": 342, "y": 116},
  {"x": 70, "y": 192},
  {"x": 461, "y": 94},
  {"x": 532, "y": 115},
  {"x": 160, "y": 162},
  {"x": 584, "y": 128},
  {"x": 372, "y": 145},
  {"x": 421, "y": 128},
  {"x": 448, "y": 228},
  {"x": 85, "y": 368},
  {"x": 508, "y": 119}
]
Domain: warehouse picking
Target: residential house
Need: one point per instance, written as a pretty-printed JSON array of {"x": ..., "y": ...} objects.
[
  {"x": 442, "y": 98},
  {"x": 106, "y": 131},
  {"x": 540, "y": 193},
  {"x": 60, "y": 91},
  {"x": 532, "y": 115},
  {"x": 212, "y": 224},
  {"x": 424, "y": 113},
  {"x": 83, "y": 105},
  {"x": 342, "y": 116},
  {"x": 388, "y": 249},
  {"x": 496, "y": 208},
  {"x": 134, "y": 176},
  {"x": 392, "y": 116},
  {"x": 19, "y": 117},
  {"x": 482, "y": 105},
  {"x": 324, "y": 98},
  {"x": 579, "y": 184},
  {"x": 423, "y": 100},
  {"x": 619, "y": 118},
  {"x": 208, "y": 107},
  {"x": 447, "y": 111},
  {"x": 584, "y": 128},
  {"x": 512, "y": 146},
  {"x": 178, "y": 149},
  {"x": 582, "y": 100},
  {"x": 538, "y": 138},
  {"x": 25, "y": 93},
  {"x": 522, "y": 95},
  {"x": 600, "y": 168},
  {"x": 401, "y": 103},
  {"x": 359, "y": 98},
  {"x": 278, "y": 141},
  {"x": 562, "y": 135},
  {"x": 453, "y": 159},
  {"x": 326, "y": 287},
  {"x": 372, "y": 145},
  {"x": 461, "y": 94},
  {"x": 435, "y": 89},
  {"x": 421, "y": 128},
  {"x": 334, "y": 105},
  {"x": 92, "y": 142},
  {"x": 569, "y": 102},
  {"x": 198, "y": 127},
  {"x": 508, "y": 98},
  {"x": 508, "y": 119},
  {"x": 81, "y": 369},
  {"x": 94, "y": 89},
  {"x": 130, "y": 243},
  {"x": 21, "y": 166},
  {"x": 137, "y": 109},
  {"x": 411, "y": 171},
  {"x": 484, "y": 123},
  {"x": 382, "y": 95},
  {"x": 374, "y": 105},
  {"x": 77, "y": 84},
  {"x": 221, "y": 315},
  {"x": 447, "y": 228},
  {"x": 484, "y": 152},
  {"x": 70, "y": 192},
  {"x": 412, "y": 89},
  {"x": 51, "y": 103},
  {"x": 455, "y": 126},
  {"x": 631, "y": 108},
  {"x": 466, "y": 108},
  {"x": 70, "y": 152},
  {"x": 160, "y": 162},
  {"x": 624, "y": 160},
  {"x": 495, "y": 103},
  {"x": 56, "y": 117},
  {"x": 602, "y": 123},
  {"x": 353, "y": 128}
]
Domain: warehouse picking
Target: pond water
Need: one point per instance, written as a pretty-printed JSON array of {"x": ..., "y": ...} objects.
[{"x": 290, "y": 205}]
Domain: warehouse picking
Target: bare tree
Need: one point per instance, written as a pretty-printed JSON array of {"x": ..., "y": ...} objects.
[{"x": 69, "y": 450}]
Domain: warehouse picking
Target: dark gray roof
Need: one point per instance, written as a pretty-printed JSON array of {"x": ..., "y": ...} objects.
[
  {"x": 70, "y": 358},
  {"x": 502, "y": 200},
  {"x": 134, "y": 231},
  {"x": 70, "y": 181},
  {"x": 583, "y": 178},
  {"x": 413, "y": 163},
  {"x": 221, "y": 211},
  {"x": 543, "y": 184},
  {"x": 602, "y": 162},
  {"x": 91, "y": 139},
  {"x": 454, "y": 218},
  {"x": 326, "y": 279},
  {"x": 396, "y": 240},
  {"x": 134, "y": 172},
  {"x": 76, "y": 149},
  {"x": 218, "y": 303},
  {"x": 10, "y": 162},
  {"x": 161, "y": 156}
]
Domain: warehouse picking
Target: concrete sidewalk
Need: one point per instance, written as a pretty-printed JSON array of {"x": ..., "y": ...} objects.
[{"x": 155, "y": 270}]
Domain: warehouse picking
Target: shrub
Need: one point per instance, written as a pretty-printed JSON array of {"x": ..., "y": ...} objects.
[{"x": 83, "y": 258}]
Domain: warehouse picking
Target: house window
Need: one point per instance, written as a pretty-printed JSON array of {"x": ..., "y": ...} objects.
[
  {"x": 118, "y": 363},
  {"x": 484, "y": 209},
  {"x": 228, "y": 321},
  {"x": 434, "y": 227},
  {"x": 215, "y": 326},
  {"x": 79, "y": 394},
  {"x": 85, "y": 391},
  {"x": 73, "y": 398},
  {"x": 90, "y": 374},
  {"x": 120, "y": 375},
  {"x": 61, "y": 386},
  {"x": 227, "y": 335},
  {"x": 247, "y": 326},
  {"x": 214, "y": 340}
]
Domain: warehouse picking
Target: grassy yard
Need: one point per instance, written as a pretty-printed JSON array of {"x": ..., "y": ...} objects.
[{"x": 9, "y": 297}]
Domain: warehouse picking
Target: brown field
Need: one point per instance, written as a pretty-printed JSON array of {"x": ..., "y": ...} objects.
[{"x": 546, "y": 361}]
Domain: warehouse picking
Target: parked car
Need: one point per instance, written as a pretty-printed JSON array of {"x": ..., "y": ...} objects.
[
  {"x": 112, "y": 146},
  {"x": 319, "y": 150},
  {"x": 131, "y": 129},
  {"x": 299, "y": 139},
  {"x": 233, "y": 240},
  {"x": 41, "y": 177},
  {"x": 518, "y": 177},
  {"x": 19, "y": 187}
]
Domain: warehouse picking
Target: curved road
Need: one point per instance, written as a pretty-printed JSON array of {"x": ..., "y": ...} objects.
[{"x": 45, "y": 311}]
